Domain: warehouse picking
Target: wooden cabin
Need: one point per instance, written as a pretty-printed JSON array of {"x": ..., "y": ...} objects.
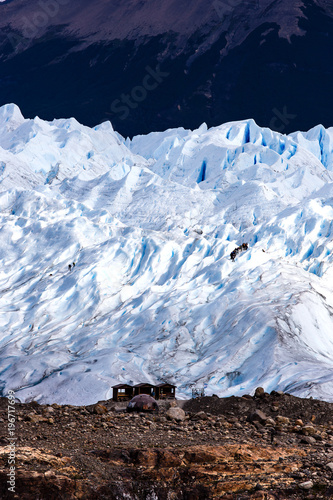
[
  {"x": 165, "y": 391},
  {"x": 144, "y": 389},
  {"x": 122, "y": 392}
]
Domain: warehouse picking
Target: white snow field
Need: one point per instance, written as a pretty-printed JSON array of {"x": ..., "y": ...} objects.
[{"x": 154, "y": 295}]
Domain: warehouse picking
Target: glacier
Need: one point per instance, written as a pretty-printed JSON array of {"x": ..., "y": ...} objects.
[{"x": 150, "y": 223}]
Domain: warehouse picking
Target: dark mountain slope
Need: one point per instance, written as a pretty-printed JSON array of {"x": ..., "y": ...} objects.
[{"x": 153, "y": 65}]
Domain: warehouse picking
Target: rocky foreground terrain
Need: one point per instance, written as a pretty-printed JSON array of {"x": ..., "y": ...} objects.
[{"x": 272, "y": 446}]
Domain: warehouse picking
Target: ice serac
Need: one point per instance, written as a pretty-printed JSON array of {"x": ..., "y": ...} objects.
[
  {"x": 319, "y": 141},
  {"x": 10, "y": 118},
  {"x": 150, "y": 224}
]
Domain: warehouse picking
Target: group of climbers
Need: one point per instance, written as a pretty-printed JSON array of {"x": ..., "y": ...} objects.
[{"x": 242, "y": 248}]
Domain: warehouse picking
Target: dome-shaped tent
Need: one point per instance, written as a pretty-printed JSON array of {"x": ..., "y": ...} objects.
[{"x": 142, "y": 402}]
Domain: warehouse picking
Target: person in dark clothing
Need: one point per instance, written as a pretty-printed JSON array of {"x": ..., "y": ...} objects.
[{"x": 243, "y": 247}]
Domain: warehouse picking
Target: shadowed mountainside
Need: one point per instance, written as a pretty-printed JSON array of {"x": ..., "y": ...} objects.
[{"x": 153, "y": 65}]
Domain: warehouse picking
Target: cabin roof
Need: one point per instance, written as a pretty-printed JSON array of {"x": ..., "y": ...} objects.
[
  {"x": 122, "y": 386},
  {"x": 165, "y": 384},
  {"x": 144, "y": 385}
]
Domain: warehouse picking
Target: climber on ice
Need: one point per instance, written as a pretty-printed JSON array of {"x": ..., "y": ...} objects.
[{"x": 243, "y": 247}]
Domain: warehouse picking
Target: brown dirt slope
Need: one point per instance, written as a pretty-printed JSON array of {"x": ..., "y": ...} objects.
[{"x": 269, "y": 447}]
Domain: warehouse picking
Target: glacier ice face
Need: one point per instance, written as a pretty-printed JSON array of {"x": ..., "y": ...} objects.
[
  {"x": 319, "y": 141},
  {"x": 150, "y": 224}
]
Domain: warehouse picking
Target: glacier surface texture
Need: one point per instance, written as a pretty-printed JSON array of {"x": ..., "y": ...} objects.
[{"x": 154, "y": 296}]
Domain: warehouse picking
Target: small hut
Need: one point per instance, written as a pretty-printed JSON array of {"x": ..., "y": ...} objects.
[
  {"x": 122, "y": 392},
  {"x": 144, "y": 389},
  {"x": 165, "y": 391}
]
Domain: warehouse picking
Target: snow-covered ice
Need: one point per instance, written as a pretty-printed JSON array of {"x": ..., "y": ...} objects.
[{"x": 150, "y": 224}]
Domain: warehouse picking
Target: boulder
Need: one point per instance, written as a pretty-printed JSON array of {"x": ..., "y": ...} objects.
[
  {"x": 259, "y": 392},
  {"x": 48, "y": 410},
  {"x": 308, "y": 430},
  {"x": 282, "y": 420},
  {"x": 35, "y": 419},
  {"x": 258, "y": 416},
  {"x": 176, "y": 414},
  {"x": 307, "y": 485},
  {"x": 277, "y": 393},
  {"x": 201, "y": 415},
  {"x": 308, "y": 440},
  {"x": 100, "y": 409}
]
